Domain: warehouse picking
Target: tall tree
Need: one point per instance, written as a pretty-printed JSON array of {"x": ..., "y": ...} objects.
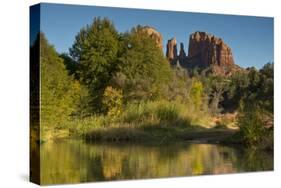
[
  {"x": 143, "y": 64},
  {"x": 96, "y": 50},
  {"x": 59, "y": 93}
]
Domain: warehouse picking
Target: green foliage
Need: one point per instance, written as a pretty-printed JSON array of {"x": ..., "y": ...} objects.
[
  {"x": 196, "y": 94},
  {"x": 253, "y": 86},
  {"x": 215, "y": 87},
  {"x": 71, "y": 66},
  {"x": 112, "y": 101},
  {"x": 251, "y": 124},
  {"x": 59, "y": 92},
  {"x": 142, "y": 58},
  {"x": 237, "y": 87},
  {"x": 255, "y": 118},
  {"x": 266, "y": 91},
  {"x": 168, "y": 112},
  {"x": 155, "y": 113},
  {"x": 179, "y": 86},
  {"x": 96, "y": 50},
  {"x": 143, "y": 66},
  {"x": 83, "y": 109}
]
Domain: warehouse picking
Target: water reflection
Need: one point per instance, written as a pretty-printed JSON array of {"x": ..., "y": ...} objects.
[{"x": 73, "y": 161}]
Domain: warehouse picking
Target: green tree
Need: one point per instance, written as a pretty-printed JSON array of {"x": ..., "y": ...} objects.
[
  {"x": 96, "y": 50},
  {"x": 112, "y": 101},
  {"x": 215, "y": 87},
  {"x": 251, "y": 123},
  {"x": 59, "y": 92},
  {"x": 256, "y": 109},
  {"x": 196, "y": 94},
  {"x": 266, "y": 93},
  {"x": 179, "y": 85},
  {"x": 143, "y": 64},
  {"x": 236, "y": 90},
  {"x": 71, "y": 65}
]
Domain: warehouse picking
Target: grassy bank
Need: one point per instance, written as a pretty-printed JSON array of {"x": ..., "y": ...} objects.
[
  {"x": 157, "y": 121},
  {"x": 159, "y": 134}
]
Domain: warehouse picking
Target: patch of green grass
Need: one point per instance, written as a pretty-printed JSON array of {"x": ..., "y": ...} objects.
[
  {"x": 156, "y": 113},
  {"x": 144, "y": 121},
  {"x": 80, "y": 127}
]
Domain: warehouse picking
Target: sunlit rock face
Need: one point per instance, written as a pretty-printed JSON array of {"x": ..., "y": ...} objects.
[
  {"x": 155, "y": 35},
  {"x": 171, "y": 50},
  {"x": 205, "y": 51},
  {"x": 208, "y": 51}
]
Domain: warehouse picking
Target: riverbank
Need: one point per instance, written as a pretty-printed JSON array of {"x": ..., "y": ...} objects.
[
  {"x": 153, "y": 135},
  {"x": 160, "y": 134}
]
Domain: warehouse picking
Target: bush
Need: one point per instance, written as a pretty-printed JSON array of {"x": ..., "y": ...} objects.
[
  {"x": 196, "y": 94},
  {"x": 112, "y": 101},
  {"x": 164, "y": 113},
  {"x": 167, "y": 112},
  {"x": 251, "y": 124}
]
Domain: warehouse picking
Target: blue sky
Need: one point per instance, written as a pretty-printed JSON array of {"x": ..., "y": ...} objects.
[{"x": 250, "y": 38}]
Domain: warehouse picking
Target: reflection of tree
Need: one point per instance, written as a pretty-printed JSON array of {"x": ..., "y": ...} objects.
[
  {"x": 197, "y": 167},
  {"x": 112, "y": 163},
  {"x": 93, "y": 169},
  {"x": 58, "y": 164},
  {"x": 74, "y": 161},
  {"x": 255, "y": 160},
  {"x": 167, "y": 161}
]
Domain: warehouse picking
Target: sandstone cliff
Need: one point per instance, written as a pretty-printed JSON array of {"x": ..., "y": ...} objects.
[
  {"x": 171, "y": 50},
  {"x": 206, "y": 52},
  {"x": 155, "y": 35},
  {"x": 210, "y": 49}
]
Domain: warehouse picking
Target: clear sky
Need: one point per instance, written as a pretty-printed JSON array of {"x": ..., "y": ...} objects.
[{"x": 250, "y": 38}]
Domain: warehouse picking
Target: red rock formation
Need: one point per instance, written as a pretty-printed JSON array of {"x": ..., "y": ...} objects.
[
  {"x": 212, "y": 50},
  {"x": 155, "y": 35},
  {"x": 171, "y": 51},
  {"x": 206, "y": 50}
]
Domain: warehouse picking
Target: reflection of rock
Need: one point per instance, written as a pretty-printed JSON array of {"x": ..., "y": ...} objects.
[{"x": 154, "y": 34}]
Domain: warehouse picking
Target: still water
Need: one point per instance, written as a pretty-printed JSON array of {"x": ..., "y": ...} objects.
[{"x": 73, "y": 161}]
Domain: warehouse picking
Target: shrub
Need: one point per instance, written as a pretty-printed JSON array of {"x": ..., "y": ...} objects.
[
  {"x": 196, "y": 94},
  {"x": 251, "y": 124},
  {"x": 156, "y": 113},
  {"x": 112, "y": 101},
  {"x": 167, "y": 111}
]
